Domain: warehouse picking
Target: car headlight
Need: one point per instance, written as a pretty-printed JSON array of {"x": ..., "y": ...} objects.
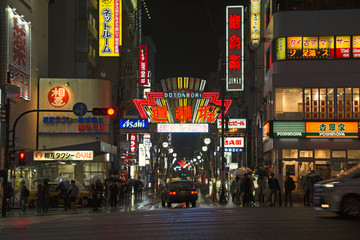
[{"x": 330, "y": 184}]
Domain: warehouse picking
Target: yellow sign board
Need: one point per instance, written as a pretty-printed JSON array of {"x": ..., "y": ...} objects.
[
  {"x": 332, "y": 129},
  {"x": 310, "y": 43},
  {"x": 255, "y": 18},
  {"x": 110, "y": 27},
  {"x": 294, "y": 42},
  {"x": 63, "y": 155},
  {"x": 280, "y": 49}
]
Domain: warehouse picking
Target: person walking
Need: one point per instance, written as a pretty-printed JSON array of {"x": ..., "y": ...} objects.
[
  {"x": 73, "y": 194},
  {"x": 140, "y": 189},
  {"x": 24, "y": 193},
  {"x": 114, "y": 190},
  {"x": 39, "y": 199},
  {"x": 274, "y": 187},
  {"x": 233, "y": 190},
  {"x": 65, "y": 194},
  {"x": 46, "y": 196},
  {"x": 247, "y": 186},
  {"x": 261, "y": 182},
  {"x": 289, "y": 186},
  {"x": 238, "y": 191}
]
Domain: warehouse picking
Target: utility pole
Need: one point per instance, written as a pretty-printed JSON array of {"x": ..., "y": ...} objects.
[{"x": 222, "y": 198}]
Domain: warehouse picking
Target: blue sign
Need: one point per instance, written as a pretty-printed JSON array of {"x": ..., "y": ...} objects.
[
  {"x": 80, "y": 109},
  {"x": 233, "y": 149},
  {"x": 133, "y": 123}
]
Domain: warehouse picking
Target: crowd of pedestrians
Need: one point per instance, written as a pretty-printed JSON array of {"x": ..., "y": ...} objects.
[{"x": 268, "y": 190}]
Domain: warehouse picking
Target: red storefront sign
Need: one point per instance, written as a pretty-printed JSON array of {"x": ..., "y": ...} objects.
[
  {"x": 133, "y": 147},
  {"x": 143, "y": 65}
]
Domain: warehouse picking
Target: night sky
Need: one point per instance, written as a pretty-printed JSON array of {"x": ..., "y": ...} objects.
[{"x": 187, "y": 34}]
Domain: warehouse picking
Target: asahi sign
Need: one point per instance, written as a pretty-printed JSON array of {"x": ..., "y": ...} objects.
[
  {"x": 133, "y": 123},
  {"x": 289, "y": 129}
]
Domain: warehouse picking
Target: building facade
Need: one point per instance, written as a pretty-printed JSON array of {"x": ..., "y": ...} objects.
[{"x": 310, "y": 113}]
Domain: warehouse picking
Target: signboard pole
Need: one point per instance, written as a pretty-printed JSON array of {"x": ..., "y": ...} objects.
[{"x": 222, "y": 198}]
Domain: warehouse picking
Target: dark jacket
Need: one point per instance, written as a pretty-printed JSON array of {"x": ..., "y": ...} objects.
[
  {"x": 289, "y": 184},
  {"x": 273, "y": 184}
]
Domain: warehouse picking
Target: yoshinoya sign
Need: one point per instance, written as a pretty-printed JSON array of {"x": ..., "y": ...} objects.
[
  {"x": 332, "y": 129},
  {"x": 234, "y": 123},
  {"x": 289, "y": 129},
  {"x": 63, "y": 155},
  {"x": 133, "y": 123}
]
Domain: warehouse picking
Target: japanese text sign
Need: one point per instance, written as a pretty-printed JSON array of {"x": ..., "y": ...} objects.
[
  {"x": 342, "y": 46},
  {"x": 332, "y": 129},
  {"x": 234, "y": 123},
  {"x": 58, "y": 96},
  {"x": 19, "y": 52},
  {"x": 266, "y": 131},
  {"x": 133, "y": 142},
  {"x": 110, "y": 27},
  {"x": 143, "y": 65},
  {"x": 234, "y": 48},
  {"x": 255, "y": 20},
  {"x": 233, "y": 142},
  {"x": 356, "y": 46},
  {"x": 182, "y": 127},
  {"x": 63, "y": 155}
]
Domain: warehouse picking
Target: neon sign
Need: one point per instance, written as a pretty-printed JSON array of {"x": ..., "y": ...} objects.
[
  {"x": 159, "y": 109},
  {"x": 234, "y": 48},
  {"x": 143, "y": 65}
]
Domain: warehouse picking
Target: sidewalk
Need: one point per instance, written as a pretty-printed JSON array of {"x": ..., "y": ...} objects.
[{"x": 146, "y": 202}]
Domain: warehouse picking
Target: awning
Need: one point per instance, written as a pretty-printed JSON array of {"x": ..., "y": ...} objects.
[{"x": 98, "y": 147}]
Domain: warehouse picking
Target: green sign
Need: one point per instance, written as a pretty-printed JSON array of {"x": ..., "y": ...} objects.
[{"x": 289, "y": 129}]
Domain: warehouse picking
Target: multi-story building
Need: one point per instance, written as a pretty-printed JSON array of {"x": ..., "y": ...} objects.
[{"x": 310, "y": 113}]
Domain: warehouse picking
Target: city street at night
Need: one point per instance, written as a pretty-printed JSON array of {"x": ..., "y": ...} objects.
[{"x": 203, "y": 222}]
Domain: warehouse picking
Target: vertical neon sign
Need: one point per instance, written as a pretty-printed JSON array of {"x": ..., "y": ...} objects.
[
  {"x": 234, "y": 48},
  {"x": 143, "y": 66}
]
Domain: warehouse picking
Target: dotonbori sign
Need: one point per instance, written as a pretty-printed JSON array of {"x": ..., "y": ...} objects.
[
  {"x": 63, "y": 155},
  {"x": 234, "y": 123},
  {"x": 133, "y": 123},
  {"x": 203, "y": 108},
  {"x": 234, "y": 48}
]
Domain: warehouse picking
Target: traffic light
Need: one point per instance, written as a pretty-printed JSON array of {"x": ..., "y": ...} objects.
[
  {"x": 22, "y": 157},
  {"x": 103, "y": 111}
]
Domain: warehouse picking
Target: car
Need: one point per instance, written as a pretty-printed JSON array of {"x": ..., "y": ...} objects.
[
  {"x": 340, "y": 195},
  {"x": 56, "y": 198},
  {"x": 179, "y": 191}
]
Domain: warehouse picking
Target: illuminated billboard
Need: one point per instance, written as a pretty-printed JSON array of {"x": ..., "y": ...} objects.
[
  {"x": 182, "y": 128},
  {"x": 255, "y": 20},
  {"x": 234, "y": 48},
  {"x": 332, "y": 129},
  {"x": 143, "y": 65},
  {"x": 63, "y": 155},
  {"x": 317, "y": 47},
  {"x": 234, "y": 123},
  {"x": 183, "y": 101},
  {"x": 266, "y": 131},
  {"x": 19, "y": 52},
  {"x": 110, "y": 27},
  {"x": 289, "y": 129}
]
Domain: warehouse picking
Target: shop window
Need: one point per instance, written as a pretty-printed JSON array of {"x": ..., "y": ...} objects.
[
  {"x": 337, "y": 168},
  {"x": 290, "y": 153},
  {"x": 338, "y": 154},
  {"x": 306, "y": 154},
  {"x": 322, "y": 154},
  {"x": 353, "y": 154},
  {"x": 289, "y": 104}
]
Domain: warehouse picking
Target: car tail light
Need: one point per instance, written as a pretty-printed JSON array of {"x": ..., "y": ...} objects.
[
  {"x": 193, "y": 192},
  {"x": 172, "y": 193}
]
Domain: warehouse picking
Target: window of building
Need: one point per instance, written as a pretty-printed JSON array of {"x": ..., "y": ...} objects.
[
  {"x": 353, "y": 154},
  {"x": 306, "y": 154},
  {"x": 322, "y": 154},
  {"x": 289, "y": 103},
  {"x": 338, "y": 154},
  {"x": 290, "y": 153}
]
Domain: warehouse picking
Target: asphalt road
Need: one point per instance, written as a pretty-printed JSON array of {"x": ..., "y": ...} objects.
[{"x": 179, "y": 222}]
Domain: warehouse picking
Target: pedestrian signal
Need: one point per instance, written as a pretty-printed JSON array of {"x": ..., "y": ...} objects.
[{"x": 103, "y": 111}]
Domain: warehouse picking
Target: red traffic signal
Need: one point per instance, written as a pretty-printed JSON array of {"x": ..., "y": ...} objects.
[
  {"x": 103, "y": 111},
  {"x": 22, "y": 158}
]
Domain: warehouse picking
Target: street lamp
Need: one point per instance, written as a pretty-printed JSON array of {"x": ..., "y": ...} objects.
[{"x": 204, "y": 148}]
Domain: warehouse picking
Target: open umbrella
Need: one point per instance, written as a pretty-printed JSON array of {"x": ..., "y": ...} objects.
[
  {"x": 241, "y": 171},
  {"x": 42, "y": 179}
]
